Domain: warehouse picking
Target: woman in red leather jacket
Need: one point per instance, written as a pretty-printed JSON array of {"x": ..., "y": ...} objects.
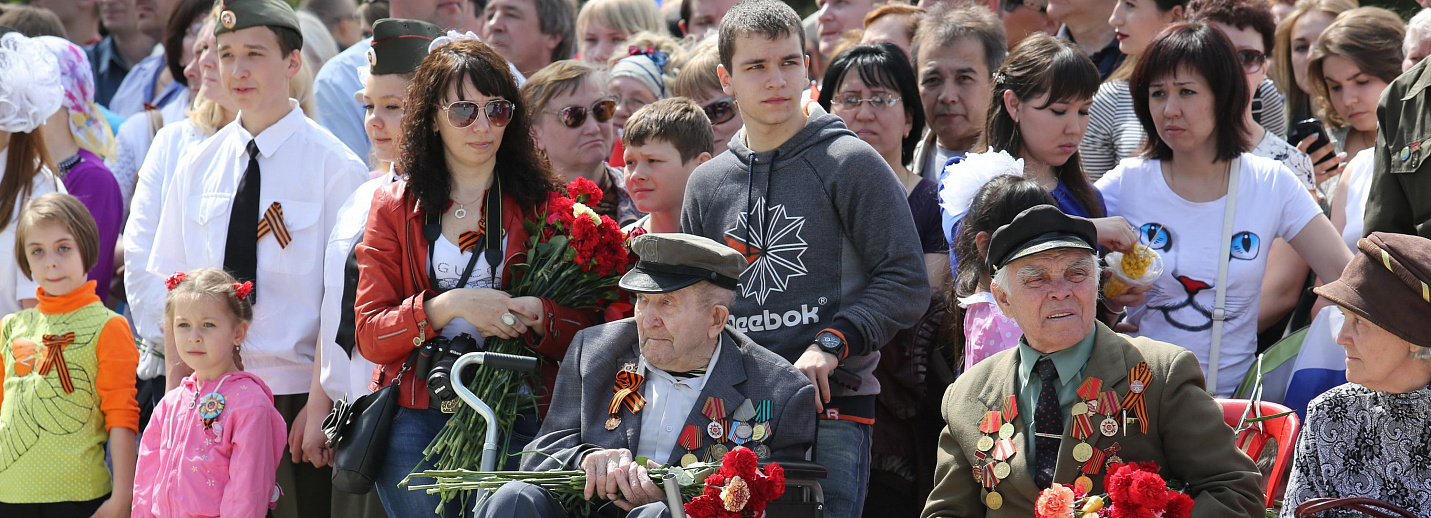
[{"x": 426, "y": 264}]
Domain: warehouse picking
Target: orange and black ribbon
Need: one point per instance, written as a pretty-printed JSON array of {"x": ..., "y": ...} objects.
[
  {"x": 272, "y": 221},
  {"x": 1082, "y": 427},
  {"x": 1094, "y": 463},
  {"x": 714, "y": 408},
  {"x": 1138, "y": 378},
  {"x": 468, "y": 240},
  {"x": 690, "y": 438},
  {"x": 628, "y": 392},
  {"x": 55, "y": 359}
]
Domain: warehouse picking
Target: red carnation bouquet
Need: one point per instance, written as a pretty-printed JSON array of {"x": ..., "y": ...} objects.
[
  {"x": 740, "y": 489},
  {"x": 1135, "y": 490},
  {"x": 574, "y": 258}
]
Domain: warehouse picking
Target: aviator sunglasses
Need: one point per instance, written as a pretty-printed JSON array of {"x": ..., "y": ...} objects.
[
  {"x": 462, "y": 114},
  {"x": 575, "y": 116},
  {"x": 721, "y": 111}
]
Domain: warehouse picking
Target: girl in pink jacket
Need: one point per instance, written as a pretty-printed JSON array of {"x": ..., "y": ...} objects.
[{"x": 213, "y": 444}]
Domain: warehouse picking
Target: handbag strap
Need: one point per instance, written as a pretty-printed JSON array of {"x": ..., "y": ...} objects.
[
  {"x": 1369, "y": 506},
  {"x": 1219, "y": 307}
]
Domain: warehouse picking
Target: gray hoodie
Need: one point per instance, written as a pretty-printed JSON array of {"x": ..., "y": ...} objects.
[{"x": 831, "y": 243}]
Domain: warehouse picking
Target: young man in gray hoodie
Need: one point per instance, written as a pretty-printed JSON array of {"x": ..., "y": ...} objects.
[{"x": 835, "y": 263}]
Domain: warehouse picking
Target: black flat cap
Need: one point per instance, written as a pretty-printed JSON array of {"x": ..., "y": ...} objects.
[
  {"x": 1039, "y": 229},
  {"x": 673, "y": 261}
]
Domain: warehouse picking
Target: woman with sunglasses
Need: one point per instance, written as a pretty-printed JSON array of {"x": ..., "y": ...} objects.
[
  {"x": 697, "y": 81},
  {"x": 572, "y": 114},
  {"x": 866, "y": 85},
  {"x": 1191, "y": 94},
  {"x": 440, "y": 244}
]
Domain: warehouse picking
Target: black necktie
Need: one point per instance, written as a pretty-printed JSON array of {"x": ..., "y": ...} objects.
[
  {"x": 1048, "y": 425},
  {"x": 241, "y": 247}
]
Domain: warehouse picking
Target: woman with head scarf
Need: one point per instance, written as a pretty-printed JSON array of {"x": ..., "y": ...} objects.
[{"x": 79, "y": 138}]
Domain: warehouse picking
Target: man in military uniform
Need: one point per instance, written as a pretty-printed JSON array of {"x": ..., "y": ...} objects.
[
  {"x": 1074, "y": 396},
  {"x": 1400, "y": 197},
  {"x": 673, "y": 384}
]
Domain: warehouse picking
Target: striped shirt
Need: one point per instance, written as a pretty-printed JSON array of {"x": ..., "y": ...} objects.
[{"x": 1114, "y": 132}]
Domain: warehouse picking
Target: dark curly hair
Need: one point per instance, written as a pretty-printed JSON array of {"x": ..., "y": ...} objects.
[{"x": 524, "y": 174}]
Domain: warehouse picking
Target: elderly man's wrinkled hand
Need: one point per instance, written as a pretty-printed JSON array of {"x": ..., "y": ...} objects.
[
  {"x": 602, "y": 468},
  {"x": 637, "y": 488},
  {"x": 1134, "y": 296}
]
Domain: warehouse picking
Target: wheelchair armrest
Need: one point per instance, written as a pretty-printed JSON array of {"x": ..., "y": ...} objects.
[{"x": 801, "y": 469}]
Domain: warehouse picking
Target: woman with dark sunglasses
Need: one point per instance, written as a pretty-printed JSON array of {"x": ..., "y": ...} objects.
[
  {"x": 440, "y": 245},
  {"x": 698, "y": 82},
  {"x": 572, "y": 114}
]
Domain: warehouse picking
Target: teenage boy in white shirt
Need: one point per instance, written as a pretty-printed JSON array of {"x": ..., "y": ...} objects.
[{"x": 259, "y": 199}]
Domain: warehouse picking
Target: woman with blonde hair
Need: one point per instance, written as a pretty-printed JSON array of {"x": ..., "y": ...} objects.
[
  {"x": 603, "y": 26},
  {"x": 1296, "y": 34}
]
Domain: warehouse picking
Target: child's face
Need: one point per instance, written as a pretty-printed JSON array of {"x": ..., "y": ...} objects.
[
  {"x": 54, "y": 257},
  {"x": 205, "y": 334},
  {"x": 254, "y": 70},
  {"x": 656, "y": 177}
]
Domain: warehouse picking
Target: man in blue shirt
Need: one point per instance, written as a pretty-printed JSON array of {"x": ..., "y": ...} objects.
[
  {"x": 148, "y": 83},
  {"x": 123, "y": 48}
]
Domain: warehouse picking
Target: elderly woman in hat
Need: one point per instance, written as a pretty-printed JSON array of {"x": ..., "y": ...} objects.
[{"x": 1372, "y": 436}]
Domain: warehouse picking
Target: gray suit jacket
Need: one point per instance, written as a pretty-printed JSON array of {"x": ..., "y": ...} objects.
[
  {"x": 1186, "y": 434},
  {"x": 575, "y": 424}
]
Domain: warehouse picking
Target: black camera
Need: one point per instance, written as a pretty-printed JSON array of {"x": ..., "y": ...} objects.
[{"x": 434, "y": 364}]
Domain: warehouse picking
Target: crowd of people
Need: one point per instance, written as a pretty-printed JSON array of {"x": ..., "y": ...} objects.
[{"x": 889, "y": 239}]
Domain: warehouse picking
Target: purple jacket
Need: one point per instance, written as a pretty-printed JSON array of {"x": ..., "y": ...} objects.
[{"x": 91, "y": 182}]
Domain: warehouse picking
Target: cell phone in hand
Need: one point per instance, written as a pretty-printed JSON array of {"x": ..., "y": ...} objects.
[
  {"x": 845, "y": 378},
  {"x": 1307, "y": 128}
]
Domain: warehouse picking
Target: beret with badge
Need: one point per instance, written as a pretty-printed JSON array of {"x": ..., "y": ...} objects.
[
  {"x": 673, "y": 261},
  {"x": 237, "y": 15},
  {"x": 1388, "y": 283},
  {"x": 399, "y": 45},
  {"x": 1039, "y": 229}
]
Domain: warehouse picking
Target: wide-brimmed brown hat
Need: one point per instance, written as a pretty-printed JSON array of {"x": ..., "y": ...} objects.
[{"x": 1387, "y": 284}]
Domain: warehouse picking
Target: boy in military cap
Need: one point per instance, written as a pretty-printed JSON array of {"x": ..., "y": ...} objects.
[
  {"x": 707, "y": 388},
  {"x": 259, "y": 199}
]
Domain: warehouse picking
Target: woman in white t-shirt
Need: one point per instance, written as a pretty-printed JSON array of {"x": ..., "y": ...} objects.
[{"x": 1190, "y": 93}]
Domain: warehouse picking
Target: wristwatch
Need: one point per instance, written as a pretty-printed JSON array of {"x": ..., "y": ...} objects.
[{"x": 833, "y": 342}]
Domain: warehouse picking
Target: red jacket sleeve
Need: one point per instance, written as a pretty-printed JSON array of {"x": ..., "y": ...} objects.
[{"x": 387, "y": 321}]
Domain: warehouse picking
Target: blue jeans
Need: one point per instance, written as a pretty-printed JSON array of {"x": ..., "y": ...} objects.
[{"x": 843, "y": 447}]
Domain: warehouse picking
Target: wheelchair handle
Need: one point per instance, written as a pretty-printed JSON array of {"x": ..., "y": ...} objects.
[
  {"x": 504, "y": 361},
  {"x": 511, "y": 362}
]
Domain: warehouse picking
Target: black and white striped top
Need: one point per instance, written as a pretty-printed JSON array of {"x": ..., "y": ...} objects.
[{"x": 1114, "y": 132}]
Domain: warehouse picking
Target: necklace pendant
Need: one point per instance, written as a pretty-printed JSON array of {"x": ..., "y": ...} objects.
[{"x": 460, "y": 213}]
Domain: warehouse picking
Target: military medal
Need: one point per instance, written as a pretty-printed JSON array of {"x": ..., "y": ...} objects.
[
  {"x": 991, "y": 422},
  {"x": 985, "y": 443},
  {"x": 716, "y": 452},
  {"x": 1082, "y": 429},
  {"x": 989, "y": 479},
  {"x": 978, "y": 468},
  {"x": 1004, "y": 450},
  {"x": 1080, "y": 408},
  {"x": 1002, "y": 470},
  {"x": 993, "y": 501},
  {"x": 757, "y": 432},
  {"x": 715, "y": 410},
  {"x": 1112, "y": 454},
  {"x": 1083, "y": 483},
  {"x": 627, "y": 393},
  {"x": 691, "y": 441},
  {"x": 762, "y": 451},
  {"x": 1108, "y": 403},
  {"x": 1138, "y": 379},
  {"x": 1006, "y": 431},
  {"x": 741, "y": 431}
]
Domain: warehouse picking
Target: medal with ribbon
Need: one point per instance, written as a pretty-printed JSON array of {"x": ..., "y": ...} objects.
[
  {"x": 1108, "y": 405},
  {"x": 1138, "y": 379},
  {"x": 211, "y": 405},
  {"x": 715, "y": 410},
  {"x": 741, "y": 430},
  {"x": 761, "y": 429},
  {"x": 628, "y": 393},
  {"x": 691, "y": 441}
]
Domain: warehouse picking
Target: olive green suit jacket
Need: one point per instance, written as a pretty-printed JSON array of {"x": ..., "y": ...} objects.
[
  {"x": 1400, "y": 197},
  {"x": 1186, "y": 434}
]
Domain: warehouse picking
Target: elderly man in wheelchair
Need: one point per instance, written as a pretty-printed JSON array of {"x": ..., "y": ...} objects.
[{"x": 673, "y": 385}]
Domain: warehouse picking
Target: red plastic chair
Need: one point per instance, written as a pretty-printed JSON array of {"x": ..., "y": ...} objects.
[{"x": 1253, "y": 437}]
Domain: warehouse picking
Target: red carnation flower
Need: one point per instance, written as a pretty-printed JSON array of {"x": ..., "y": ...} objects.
[
  {"x": 1179, "y": 506},
  {"x": 582, "y": 187},
  {"x": 1147, "y": 489}
]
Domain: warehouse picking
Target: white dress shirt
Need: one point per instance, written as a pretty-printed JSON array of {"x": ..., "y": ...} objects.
[
  {"x": 14, "y": 287},
  {"x": 308, "y": 171},
  {"x": 668, "y": 404},
  {"x": 146, "y": 291},
  {"x": 344, "y": 376},
  {"x": 134, "y": 138}
]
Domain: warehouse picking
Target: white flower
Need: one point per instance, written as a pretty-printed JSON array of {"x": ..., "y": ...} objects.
[
  {"x": 962, "y": 181},
  {"x": 580, "y": 209}
]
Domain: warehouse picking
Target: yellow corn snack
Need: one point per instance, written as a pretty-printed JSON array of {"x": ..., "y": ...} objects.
[
  {"x": 1114, "y": 286},
  {"x": 1135, "y": 263}
]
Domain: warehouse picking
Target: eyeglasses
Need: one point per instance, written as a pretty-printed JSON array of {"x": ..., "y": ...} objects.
[
  {"x": 1252, "y": 60},
  {"x": 851, "y": 102},
  {"x": 720, "y": 112},
  {"x": 462, "y": 114},
  {"x": 575, "y": 116}
]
